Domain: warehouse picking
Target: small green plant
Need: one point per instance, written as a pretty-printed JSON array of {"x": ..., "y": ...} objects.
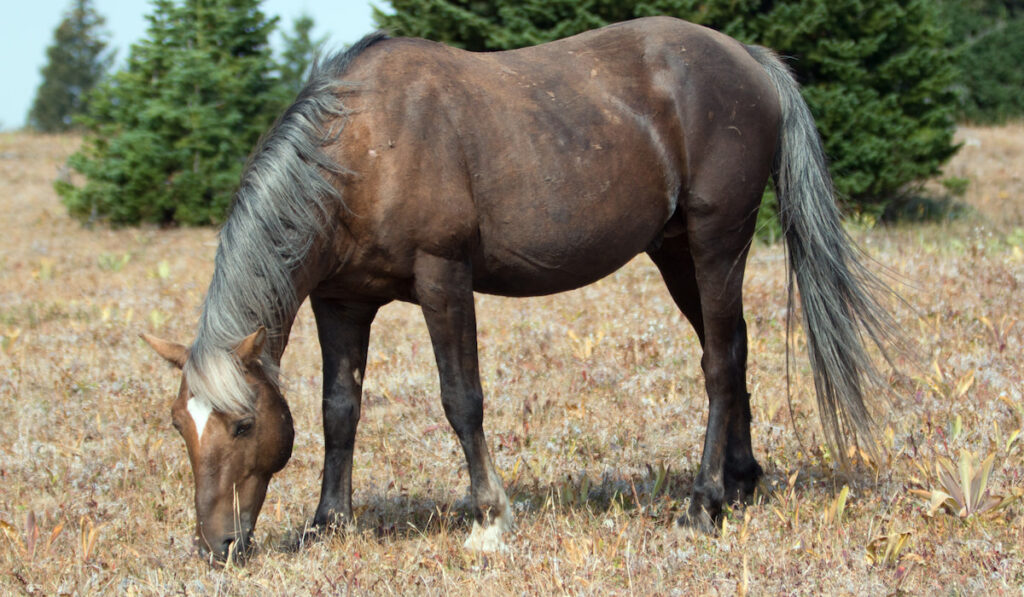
[
  {"x": 45, "y": 270},
  {"x": 963, "y": 489},
  {"x": 570, "y": 493},
  {"x": 1015, "y": 435},
  {"x": 956, "y": 185},
  {"x": 837, "y": 508},
  {"x": 111, "y": 262},
  {"x": 163, "y": 270},
  {"x": 8, "y": 338},
  {"x": 158, "y": 318}
]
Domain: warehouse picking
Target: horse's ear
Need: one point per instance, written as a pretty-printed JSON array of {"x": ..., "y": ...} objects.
[
  {"x": 175, "y": 353},
  {"x": 251, "y": 348}
]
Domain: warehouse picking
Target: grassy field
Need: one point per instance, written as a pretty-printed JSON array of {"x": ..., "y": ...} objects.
[{"x": 595, "y": 415}]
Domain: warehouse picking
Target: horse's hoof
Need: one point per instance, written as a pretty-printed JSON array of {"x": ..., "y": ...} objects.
[
  {"x": 488, "y": 537},
  {"x": 699, "y": 521},
  {"x": 318, "y": 532},
  {"x": 741, "y": 481}
]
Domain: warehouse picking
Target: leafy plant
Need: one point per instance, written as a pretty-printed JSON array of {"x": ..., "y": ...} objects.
[
  {"x": 963, "y": 489},
  {"x": 113, "y": 263},
  {"x": 837, "y": 508},
  {"x": 956, "y": 185},
  {"x": 1018, "y": 411},
  {"x": 163, "y": 270},
  {"x": 886, "y": 549}
]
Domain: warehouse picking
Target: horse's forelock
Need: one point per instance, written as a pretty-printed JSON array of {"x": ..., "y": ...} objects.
[{"x": 216, "y": 377}]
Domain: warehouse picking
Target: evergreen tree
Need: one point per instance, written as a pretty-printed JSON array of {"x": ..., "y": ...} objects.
[
  {"x": 169, "y": 134},
  {"x": 988, "y": 36},
  {"x": 76, "y": 61},
  {"x": 877, "y": 74},
  {"x": 297, "y": 56}
]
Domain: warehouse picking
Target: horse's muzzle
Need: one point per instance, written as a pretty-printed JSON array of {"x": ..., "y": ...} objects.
[{"x": 237, "y": 548}]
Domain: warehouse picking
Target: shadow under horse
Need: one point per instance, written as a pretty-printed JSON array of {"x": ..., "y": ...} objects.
[{"x": 408, "y": 170}]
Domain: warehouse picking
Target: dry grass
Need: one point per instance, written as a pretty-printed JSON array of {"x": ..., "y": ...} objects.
[
  {"x": 595, "y": 416},
  {"x": 992, "y": 158}
]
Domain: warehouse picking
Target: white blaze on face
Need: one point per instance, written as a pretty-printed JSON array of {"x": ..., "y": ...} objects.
[{"x": 200, "y": 411}]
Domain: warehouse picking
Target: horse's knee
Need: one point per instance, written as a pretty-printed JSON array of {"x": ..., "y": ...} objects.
[
  {"x": 465, "y": 414},
  {"x": 341, "y": 411}
]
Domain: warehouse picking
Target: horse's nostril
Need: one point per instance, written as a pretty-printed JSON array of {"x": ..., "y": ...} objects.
[{"x": 235, "y": 548}]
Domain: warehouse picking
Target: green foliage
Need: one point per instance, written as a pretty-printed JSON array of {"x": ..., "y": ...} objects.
[
  {"x": 877, "y": 74},
  {"x": 169, "y": 134},
  {"x": 297, "y": 56},
  {"x": 75, "y": 63},
  {"x": 989, "y": 38}
]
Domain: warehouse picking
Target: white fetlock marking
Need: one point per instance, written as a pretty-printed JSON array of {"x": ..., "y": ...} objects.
[{"x": 489, "y": 538}]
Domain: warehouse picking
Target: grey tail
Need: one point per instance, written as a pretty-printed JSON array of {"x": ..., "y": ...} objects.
[{"x": 839, "y": 296}]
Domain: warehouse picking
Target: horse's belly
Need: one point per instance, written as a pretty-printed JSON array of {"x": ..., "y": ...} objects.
[{"x": 532, "y": 260}]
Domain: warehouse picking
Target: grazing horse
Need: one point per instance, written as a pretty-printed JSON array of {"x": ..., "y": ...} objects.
[{"x": 408, "y": 170}]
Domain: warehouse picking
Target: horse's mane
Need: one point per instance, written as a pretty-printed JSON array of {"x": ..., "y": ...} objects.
[{"x": 279, "y": 211}]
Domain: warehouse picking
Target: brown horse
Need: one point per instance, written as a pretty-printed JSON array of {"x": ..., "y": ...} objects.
[{"x": 408, "y": 170}]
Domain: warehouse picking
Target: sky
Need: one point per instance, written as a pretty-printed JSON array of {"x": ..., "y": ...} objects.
[{"x": 25, "y": 37}]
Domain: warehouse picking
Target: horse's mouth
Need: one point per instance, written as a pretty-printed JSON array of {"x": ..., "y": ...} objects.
[{"x": 234, "y": 549}]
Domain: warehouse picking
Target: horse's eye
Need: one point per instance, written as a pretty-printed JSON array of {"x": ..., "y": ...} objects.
[
  {"x": 242, "y": 427},
  {"x": 176, "y": 425}
]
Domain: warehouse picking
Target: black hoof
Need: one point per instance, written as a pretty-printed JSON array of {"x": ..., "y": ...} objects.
[
  {"x": 316, "y": 531},
  {"x": 699, "y": 521},
  {"x": 741, "y": 481}
]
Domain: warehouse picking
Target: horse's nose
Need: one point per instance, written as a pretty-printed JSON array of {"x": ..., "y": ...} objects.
[{"x": 237, "y": 548}]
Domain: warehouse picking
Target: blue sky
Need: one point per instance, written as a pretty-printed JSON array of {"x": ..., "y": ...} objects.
[{"x": 27, "y": 30}]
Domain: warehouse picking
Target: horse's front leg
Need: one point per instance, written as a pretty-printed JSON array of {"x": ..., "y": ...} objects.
[
  {"x": 444, "y": 289},
  {"x": 344, "y": 331}
]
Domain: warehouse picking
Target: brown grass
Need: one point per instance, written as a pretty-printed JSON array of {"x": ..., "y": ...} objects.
[
  {"x": 992, "y": 158},
  {"x": 592, "y": 396}
]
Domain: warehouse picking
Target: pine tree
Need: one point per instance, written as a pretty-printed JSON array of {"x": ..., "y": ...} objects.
[
  {"x": 169, "y": 134},
  {"x": 988, "y": 36},
  {"x": 76, "y": 61},
  {"x": 297, "y": 56},
  {"x": 877, "y": 74}
]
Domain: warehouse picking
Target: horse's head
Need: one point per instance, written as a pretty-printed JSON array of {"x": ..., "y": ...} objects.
[{"x": 233, "y": 455}]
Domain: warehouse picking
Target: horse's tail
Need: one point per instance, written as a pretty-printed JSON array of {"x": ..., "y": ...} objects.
[{"x": 838, "y": 294}]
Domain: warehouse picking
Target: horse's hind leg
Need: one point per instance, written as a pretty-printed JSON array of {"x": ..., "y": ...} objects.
[
  {"x": 344, "y": 331},
  {"x": 740, "y": 469},
  {"x": 719, "y": 280},
  {"x": 444, "y": 290}
]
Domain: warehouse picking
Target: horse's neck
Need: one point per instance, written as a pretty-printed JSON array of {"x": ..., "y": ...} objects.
[
  {"x": 304, "y": 280},
  {"x": 241, "y": 299}
]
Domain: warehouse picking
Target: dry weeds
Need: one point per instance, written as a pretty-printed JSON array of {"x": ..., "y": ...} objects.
[{"x": 595, "y": 417}]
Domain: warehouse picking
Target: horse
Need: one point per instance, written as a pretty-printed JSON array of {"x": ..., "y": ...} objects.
[{"x": 408, "y": 170}]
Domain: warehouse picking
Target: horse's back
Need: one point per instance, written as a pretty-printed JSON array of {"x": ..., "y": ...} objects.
[{"x": 553, "y": 165}]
